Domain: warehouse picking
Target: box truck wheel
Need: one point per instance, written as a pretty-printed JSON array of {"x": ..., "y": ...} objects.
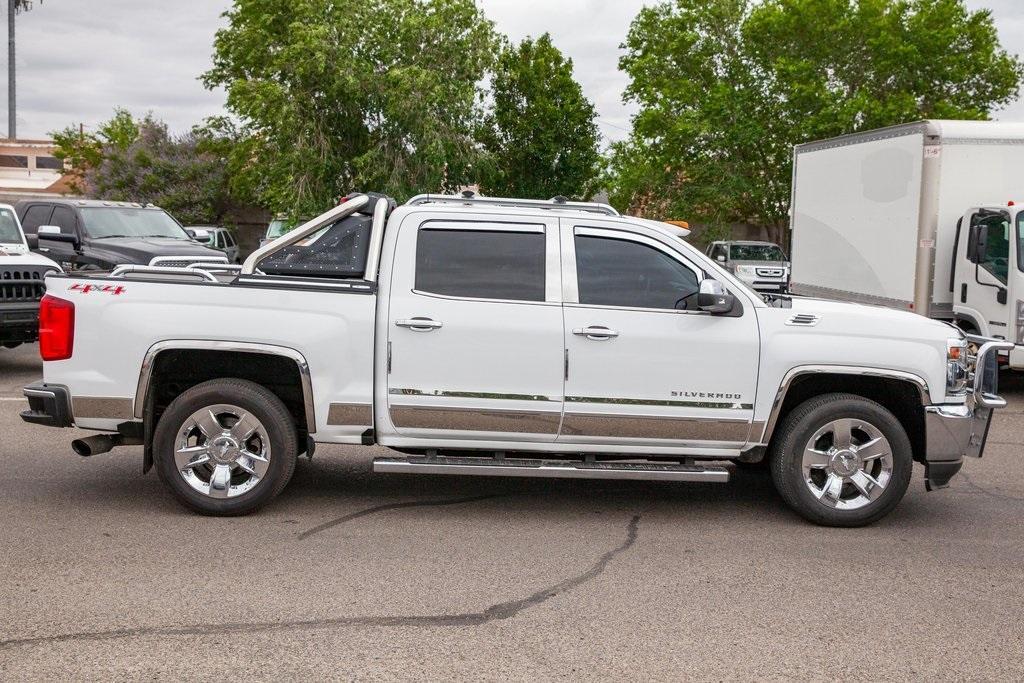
[
  {"x": 225, "y": 447},
  {"x": 841, "y": 460}
]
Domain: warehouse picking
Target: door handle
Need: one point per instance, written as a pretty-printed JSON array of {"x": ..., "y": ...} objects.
[
  {"x": 596, "y": 332},
  {"x": 419, "y": 324}
]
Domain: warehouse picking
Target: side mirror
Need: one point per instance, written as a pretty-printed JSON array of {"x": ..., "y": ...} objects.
[
  {"x": 977, "y": 244},
  {"x": 199, "y": 235},
  {"x": 720, "y": 258},
  {"x": 713, "y": 298},
  {"x": 52, "y": 232},
  {"x": 32, "y": 241}
]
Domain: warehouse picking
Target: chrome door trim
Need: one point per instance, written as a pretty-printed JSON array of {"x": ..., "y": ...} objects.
[
  {"x": 734, "y": 430},
  {"x": 145, "y": 374},
  {"x": 462, "y": 419},
  {"x": 721, "y": 405},
  {"x": 472, "y": 394},
  {"x": 787, "y": 381}
]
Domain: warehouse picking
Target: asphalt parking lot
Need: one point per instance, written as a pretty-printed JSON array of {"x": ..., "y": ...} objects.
[{"x": 360, "y": 576}]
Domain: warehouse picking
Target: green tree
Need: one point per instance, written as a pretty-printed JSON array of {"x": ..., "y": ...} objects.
[
  {"x": 541, "y": 130},
  {"x": 725, "y": 88},
  {"x": 139, "y": 160},
  {"x": 371, "y": 94}
]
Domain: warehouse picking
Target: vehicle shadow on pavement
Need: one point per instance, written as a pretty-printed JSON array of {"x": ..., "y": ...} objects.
[{"x": 360, "y": 493}]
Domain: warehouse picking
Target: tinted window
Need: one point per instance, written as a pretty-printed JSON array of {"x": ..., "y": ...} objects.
[
  {"x": 482, "y": 264},
  {"x": 37, "y": 214},
  {"x": 228, "y": 239},
  {"x": 63, "y": 218},
  {"x": 613, "y": 272}
]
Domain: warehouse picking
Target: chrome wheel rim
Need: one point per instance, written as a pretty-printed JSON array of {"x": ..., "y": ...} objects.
[
  {"x": 222, "y": 451},
  {"x": 847, "y": 464}
]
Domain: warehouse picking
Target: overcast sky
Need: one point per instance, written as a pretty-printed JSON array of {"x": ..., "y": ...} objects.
[{"x": 78, "y": 59}]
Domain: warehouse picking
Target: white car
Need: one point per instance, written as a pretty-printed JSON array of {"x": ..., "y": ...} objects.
[
  {"x": 506, "y": 337},
  {"x": 22, "y": 278}
]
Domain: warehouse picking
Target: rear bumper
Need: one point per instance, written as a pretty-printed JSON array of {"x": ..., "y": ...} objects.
[
  {"x": 19, "y": 323},
  {"x": 48, "y": 404}
]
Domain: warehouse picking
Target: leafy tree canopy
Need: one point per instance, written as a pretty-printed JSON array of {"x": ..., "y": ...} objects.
[
  {"x": 374, "y": 94},
  {"x": 138, "y": 160},
  {"x": 541, "y": 129},
  {"x": 726, "y": 88}
]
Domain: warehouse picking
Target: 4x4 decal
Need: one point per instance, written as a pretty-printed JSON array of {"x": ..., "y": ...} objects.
[{"x": 105, "y": 289}]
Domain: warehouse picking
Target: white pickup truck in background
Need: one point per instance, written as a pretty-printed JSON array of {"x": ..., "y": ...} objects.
[
  {"x": 22, "y": 281},
  {"x": 919, "y": 217},
  {"x": 505, "y": 337}
]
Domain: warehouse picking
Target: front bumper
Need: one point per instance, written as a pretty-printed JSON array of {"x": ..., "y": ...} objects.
[
  {"x": 48, "y": 404},
  {"x": 956, "y": 431},
  {"x": 19, "y": 323}
]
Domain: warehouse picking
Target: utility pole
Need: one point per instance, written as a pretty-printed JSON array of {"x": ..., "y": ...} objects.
[
  {"x": 12, "y": 89},
  {"x": 13, "y": 8}
]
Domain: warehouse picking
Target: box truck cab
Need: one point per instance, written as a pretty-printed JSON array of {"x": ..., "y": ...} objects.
[
  {"x": 988, "y": 277},
  {"x": 918, "y": 217}
]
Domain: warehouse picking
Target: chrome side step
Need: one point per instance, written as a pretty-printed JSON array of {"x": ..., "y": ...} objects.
[{"x": 557, "y": 469}]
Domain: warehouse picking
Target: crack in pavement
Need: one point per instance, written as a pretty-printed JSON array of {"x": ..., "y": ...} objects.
[
  {"x": 987, "y": 492},
  {"x": 496, "y": 612},
  {"x": 395, "y": 506}
]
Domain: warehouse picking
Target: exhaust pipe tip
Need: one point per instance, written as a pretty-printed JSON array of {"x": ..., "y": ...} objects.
[{"x": 92, "y": 445}]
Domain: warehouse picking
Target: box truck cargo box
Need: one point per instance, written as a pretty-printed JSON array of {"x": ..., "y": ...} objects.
[{"x": 919, "y": 217}]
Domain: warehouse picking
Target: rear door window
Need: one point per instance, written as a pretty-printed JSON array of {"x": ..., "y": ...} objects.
[{"x": 481, "y": 264}]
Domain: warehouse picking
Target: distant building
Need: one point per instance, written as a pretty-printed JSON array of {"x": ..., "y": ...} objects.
[{"x": 29, "y": 169}]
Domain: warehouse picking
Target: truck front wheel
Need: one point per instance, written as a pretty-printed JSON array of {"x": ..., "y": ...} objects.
[
  {"x": 225, "y": 447},
  {"x": 841, "y": 460}
]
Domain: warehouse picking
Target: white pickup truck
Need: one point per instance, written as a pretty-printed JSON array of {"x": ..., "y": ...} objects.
[
  {"x": 22, "y": 281},
  {"x": 505, "y": 337}
]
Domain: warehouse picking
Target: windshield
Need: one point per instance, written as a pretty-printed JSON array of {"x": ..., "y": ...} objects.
[
  {"x": 279, "y": 227},
  {"x": 755, "y": 252},
  {"x": 125, "y": 222},
  {"x": 9, "y": 231}
]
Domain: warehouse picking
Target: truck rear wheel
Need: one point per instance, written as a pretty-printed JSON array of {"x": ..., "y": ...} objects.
[
  {"x": 841, "y": 460},
  {"x": 225, "y": 447}
]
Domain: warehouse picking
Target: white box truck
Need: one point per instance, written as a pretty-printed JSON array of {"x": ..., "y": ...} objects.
[{"x": 919, "y": 217}]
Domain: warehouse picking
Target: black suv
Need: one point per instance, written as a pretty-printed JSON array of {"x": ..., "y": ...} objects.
[{"x": 89, "y": 234}]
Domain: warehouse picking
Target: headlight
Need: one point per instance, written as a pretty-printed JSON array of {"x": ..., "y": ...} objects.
[
  {"x": 746, "y": 270},
  {"x": 957, "y": 372},
  {"x": 1020, "y": 322}
]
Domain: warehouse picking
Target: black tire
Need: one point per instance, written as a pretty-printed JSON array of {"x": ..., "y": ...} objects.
[
  {"x": 801, "y": 425},
  {"x": 265, "y": 407}
]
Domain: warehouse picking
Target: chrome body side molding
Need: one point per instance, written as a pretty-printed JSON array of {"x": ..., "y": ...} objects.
[
  {"x": 350, "y": 414},
  {"x": 102, "y": 407},
  {"x": 145, "y": 375},
  {"x": 475, "y": 419},
  {"x": 787, "y": 381}
]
